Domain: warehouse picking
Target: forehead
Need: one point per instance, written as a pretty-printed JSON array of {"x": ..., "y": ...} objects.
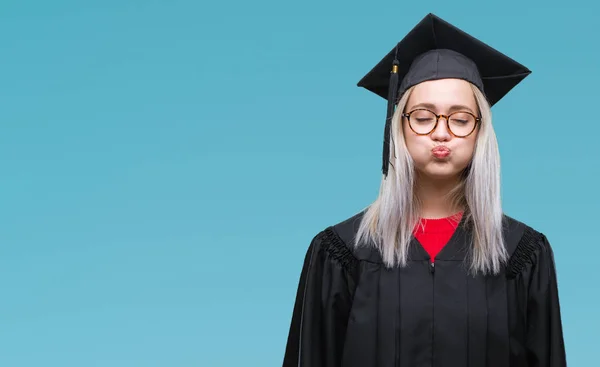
[{"x": 443, "y": 93}]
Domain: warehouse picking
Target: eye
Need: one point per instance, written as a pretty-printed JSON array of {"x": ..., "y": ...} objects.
[
  {"x": 462, "y": 118},
  {"x": 422, "y": 116}
]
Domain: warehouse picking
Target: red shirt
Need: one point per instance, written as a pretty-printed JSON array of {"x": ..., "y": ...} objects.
[{"x": 433, "y": 234}]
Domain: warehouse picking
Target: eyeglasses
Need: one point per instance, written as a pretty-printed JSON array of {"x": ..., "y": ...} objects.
[{"x": 460, "y": 124}]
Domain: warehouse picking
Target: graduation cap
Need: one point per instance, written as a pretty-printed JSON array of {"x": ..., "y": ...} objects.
[{"x": 435, "y": 49}]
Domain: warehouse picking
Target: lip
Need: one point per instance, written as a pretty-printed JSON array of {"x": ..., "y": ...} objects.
[{"x": 440, "y": 151}]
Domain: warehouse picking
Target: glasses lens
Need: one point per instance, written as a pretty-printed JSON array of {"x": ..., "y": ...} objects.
[
  {"x": 422, "y": 121},
  {"x": 461, "y": 123}
]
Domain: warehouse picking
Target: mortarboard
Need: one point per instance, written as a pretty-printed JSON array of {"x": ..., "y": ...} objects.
[{"x": 435, "y": 49}]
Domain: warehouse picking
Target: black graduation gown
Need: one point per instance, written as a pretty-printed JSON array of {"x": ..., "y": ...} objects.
[{"x": 351, "y": 310}]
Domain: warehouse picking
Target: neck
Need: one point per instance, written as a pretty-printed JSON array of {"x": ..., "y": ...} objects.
[{"x": 433, "y": 194}]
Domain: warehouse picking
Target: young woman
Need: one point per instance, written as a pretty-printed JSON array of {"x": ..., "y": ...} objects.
[{"x": 432, "y": 273}]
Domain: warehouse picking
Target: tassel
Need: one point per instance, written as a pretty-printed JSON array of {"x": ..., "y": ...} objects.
[{"x": 391, "y": 105}]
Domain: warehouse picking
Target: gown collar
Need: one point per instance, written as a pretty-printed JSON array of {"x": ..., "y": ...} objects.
[{"x": 457, "y": 247}]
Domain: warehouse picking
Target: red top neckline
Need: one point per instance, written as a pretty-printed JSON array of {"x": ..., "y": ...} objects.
[{"x": 434, "y": 233}]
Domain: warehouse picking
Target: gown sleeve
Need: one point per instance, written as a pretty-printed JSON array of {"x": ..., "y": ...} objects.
[
  {"x": 322, "y": 304},
  {"x": 544, "y": 339}
]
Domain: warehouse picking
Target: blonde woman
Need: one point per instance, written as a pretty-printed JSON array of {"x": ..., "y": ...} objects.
[{"x": 432, "y": 273}]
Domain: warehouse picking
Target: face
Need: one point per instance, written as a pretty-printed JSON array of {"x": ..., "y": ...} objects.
[{"x": 440, "y": 155}]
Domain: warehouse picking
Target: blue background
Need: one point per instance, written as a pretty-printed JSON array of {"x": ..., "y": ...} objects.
[{"x": 164, "y": 165}]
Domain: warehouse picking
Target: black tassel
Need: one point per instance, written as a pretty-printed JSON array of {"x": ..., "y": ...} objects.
[{"x": 391, "y": 105}]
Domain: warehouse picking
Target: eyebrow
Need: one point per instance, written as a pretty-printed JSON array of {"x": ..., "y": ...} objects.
[{"x": 433, "y": 107}]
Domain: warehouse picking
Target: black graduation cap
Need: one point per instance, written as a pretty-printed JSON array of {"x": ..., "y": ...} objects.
[{"x": 435, "y": 49}]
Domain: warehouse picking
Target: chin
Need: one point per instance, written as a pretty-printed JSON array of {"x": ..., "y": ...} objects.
[{"x": 440, "y": 170}]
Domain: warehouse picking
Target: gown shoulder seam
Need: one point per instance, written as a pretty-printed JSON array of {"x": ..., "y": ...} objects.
[
  {"x": 337, "y": 249},
  {"x": 525, "y": 252}
]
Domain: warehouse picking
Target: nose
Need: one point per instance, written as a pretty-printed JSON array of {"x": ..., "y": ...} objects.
[{"x": 441, "y": 132}]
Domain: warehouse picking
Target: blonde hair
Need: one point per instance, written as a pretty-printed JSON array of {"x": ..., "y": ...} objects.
[{"x": 388, "y": 223}]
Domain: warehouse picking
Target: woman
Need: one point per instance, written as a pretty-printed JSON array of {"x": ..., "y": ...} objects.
[{"x": 432, "y": 273}]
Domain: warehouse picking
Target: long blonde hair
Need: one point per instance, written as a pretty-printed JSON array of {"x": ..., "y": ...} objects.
[{"x": 388, "y": 223}]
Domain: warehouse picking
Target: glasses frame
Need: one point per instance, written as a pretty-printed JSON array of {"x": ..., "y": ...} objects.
[{"x": 437, "y": 120}]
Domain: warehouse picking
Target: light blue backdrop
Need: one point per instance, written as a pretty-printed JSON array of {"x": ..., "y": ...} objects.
[{"x": 164, "y": 165}]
